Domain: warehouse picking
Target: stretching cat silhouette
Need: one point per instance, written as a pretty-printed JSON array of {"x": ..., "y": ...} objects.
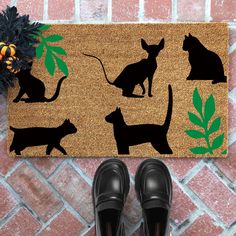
[
  {"x": 130, "y": 135},
  {"x": 34, "y": 88},
  {"x": 136, "y": 73},
  {"x": 205, "y": 64},
  {"x": 38, "y": 136}
]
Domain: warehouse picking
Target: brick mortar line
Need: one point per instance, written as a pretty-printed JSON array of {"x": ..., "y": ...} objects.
[
  {"x": 179, "y": 229},
  {"x": 232, "y": 95},
  {"x": 77, "y": 10},
  {"x": 221, "y": 176},
  {"x": 141, "y": 11},
  {"x": 208, "y": 10},
  {"x": 45, "y": 11},
  {"x": 230, "y": 232},
  {"x": 174, "y": 16},
  {"x": 9, "y": 215},
  {"x": 66, "y": 204},
  {"x": 13, "y": 2},
  {"x": 87, "y": 229},
  {"x": 199, "y": 203},
  {"x": 109, "y": 11}
]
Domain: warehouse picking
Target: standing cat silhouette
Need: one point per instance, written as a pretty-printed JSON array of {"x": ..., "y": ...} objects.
[
  {"x": 205, "y": 64},
  {"x": 34, "y": 88},
  {"x": 130, "y": 135},
  {"x": 136, "y": 73},
  {"x": 38, "y": 136}
]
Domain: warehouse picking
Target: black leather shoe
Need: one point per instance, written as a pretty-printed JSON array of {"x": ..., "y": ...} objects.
[
  {"x": 154, "y": 190},
  {"x": 110, "y": 189}
]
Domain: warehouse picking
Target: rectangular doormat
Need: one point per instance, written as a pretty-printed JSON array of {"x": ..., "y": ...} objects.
[{"x": 138, "y": 90}]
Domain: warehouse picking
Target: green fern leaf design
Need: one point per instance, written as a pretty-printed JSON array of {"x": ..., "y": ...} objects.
[
  {"x": 39, "y": 50},
  {"x": 203, "y": 119},
  {"x": 54, "y": 38},
  {"x": 218, "y": 141},
  {"x": 195, "y": 134},
  {"x": 49, "y": 63},
  {"x": 62, "y": 65},
  {"x": 195, "y": 119},
  {"x": 197, "y": 101},
  {"x": 214, "y": 126},
  {"x": 199, "y": 150}
]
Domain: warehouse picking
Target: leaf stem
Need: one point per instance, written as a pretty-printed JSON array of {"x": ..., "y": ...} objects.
[{"x": 206, "y": 134}]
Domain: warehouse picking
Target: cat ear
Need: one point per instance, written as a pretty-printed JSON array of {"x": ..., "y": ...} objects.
[
  {"x": 190, "y": 35},
  {"x": 186, "y": 36},
  {"x": 144, "y": 44},
  {"x": 162, "y": 44}
]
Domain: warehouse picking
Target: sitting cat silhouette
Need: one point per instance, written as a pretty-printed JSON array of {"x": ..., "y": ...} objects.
[
  {"x": 38, "y": 136},
  {"x": 136, "y": 73},
  {"x": 205, "y": 64},
  {"x": 34, "y": 88},
  {"x": 130, "y": 135}
]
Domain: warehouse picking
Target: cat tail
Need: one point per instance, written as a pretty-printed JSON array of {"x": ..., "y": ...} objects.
[
  {"x": 54, "y": 97},
  {"x": 169, "y": 110},
  {"x": 104, "y": 71}
]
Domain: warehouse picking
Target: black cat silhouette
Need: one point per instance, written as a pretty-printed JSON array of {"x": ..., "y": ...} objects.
[
  {"x": 205, "y": 64},
  {"x": 38, "y": 136},
  {"x": 130, "y": 135},
  {"x": 136, "y": 73},
  {"x": 34, "y": 88}
]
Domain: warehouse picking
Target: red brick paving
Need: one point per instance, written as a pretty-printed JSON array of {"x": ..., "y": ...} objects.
[
  {"x": 223, "y": 10},
  {"x": 6, "y": 162},
  {"x": 34, "y": 192},
  {"x": 215, "y": 195},
  {"x": 123, "y": 10},
  {"x": 93, "y": 10},
  {"x": 21, "y": 224},
  {"x": 75, "y": 190},
  {"x": 228, "y": 166},
  {"x": 158, "y": 9},
  {"x": 64, "y": 224},
  {"x": 7, "y": 201},
  {"x": 191, "y": 10},
  {"x": 46, "y": 165},
  {"x": 203, "y": 225},
  {"x": 44, "y": 194},
  {"x": 61, "y": 10},
  {"x": 182, "y": 205},
  {"x": 34, "y": 8}
]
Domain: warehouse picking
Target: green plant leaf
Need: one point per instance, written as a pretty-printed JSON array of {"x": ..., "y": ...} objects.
[
  {"x": 218, "y": 141},
  {"x": 49, "y": 63},
  {"x": 44, "y": 27},
  {"x": 215, "y": 125},
  {"x": 39, "y": 50},
  {"x": 54, "y": 38},
  {"x": 62, "y": 65},
  {"x": 58, "y": 50},
  {"x": 209, "y": 108},
  {"x": 195, "y": 119},
  {"x": 197, "y": 101},
  {"x": 224, "y": 152},
  {"x": 199, "y": 150},
  {"x": 195, "y": 134}
]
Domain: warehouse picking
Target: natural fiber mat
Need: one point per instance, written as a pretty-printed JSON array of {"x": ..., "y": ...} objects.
[{"x": 140, "y": 90}]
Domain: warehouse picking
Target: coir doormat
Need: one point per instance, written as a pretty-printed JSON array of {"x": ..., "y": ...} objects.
[{"x": 140, "y": 90}]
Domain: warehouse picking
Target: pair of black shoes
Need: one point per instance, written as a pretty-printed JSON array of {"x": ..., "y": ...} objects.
[{"x": 154, "y": 191}]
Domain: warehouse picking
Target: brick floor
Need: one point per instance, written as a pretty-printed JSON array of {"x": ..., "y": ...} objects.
[
  {"x": 22, "y": 224},
  {"x": 35, "y": 192},
  {"x": 191, "y": 10},
  {"x": 42, "y": 196}
]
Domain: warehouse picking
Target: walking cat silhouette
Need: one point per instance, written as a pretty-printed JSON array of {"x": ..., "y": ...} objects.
[
  {"x": 34, "y": 88},
  {"x": 136, "y": 73},
  {"x": 130, "y": 135},
  {"x": 38, "y": 136},
  {"x": 205, "y": 64}
]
